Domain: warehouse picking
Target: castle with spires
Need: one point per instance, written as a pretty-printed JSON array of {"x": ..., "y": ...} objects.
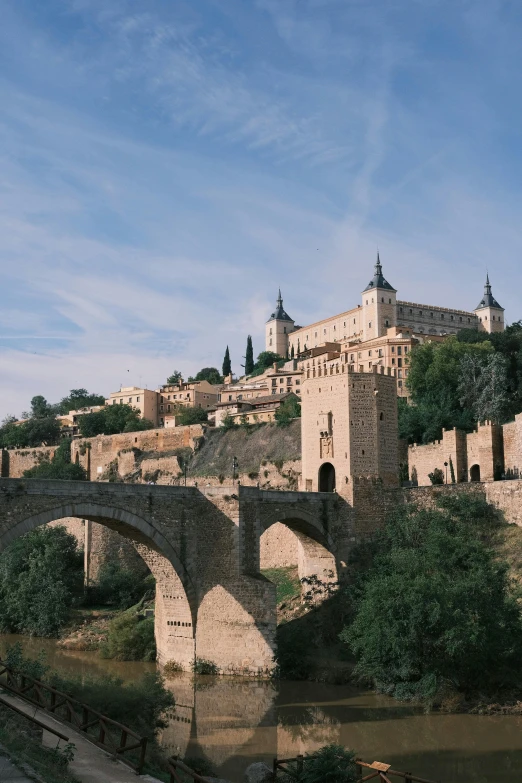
[{"x": 381, "y": 330}]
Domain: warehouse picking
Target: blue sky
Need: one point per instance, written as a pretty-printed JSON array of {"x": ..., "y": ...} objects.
[{"x": 167, "y": 164}]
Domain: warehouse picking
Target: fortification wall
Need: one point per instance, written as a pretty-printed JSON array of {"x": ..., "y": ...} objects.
[
  {"x": 16, "y": 461},
  {"x": 97, "y": 454},
  {"x": 422, "y": 460},
  {"x": 513, "y": 447}
]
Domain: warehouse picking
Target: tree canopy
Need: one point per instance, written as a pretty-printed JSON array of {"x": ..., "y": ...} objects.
[
  {"x": 249, "y": 356},
  {"x": 473, "y": 377},
  {"x": 175, "y": 378},
  {"x": 39, "y": 575},
  {"x": 288, "y": 410},
  {"x": 112, "y": 420},
  {"x": 436, "y": 605},
  {"x": 227, "y": 364},
  {"x": 30, "y": 434},
  {"x": 190, "y": 415},
  {"x": 210, "y": 374},
  {"x": 265, "y": 360},
  {"x": 79, "y": 398}
]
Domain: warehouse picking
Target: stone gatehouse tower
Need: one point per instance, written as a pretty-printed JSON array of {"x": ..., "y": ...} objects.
[{"x": 349, "y": 428}]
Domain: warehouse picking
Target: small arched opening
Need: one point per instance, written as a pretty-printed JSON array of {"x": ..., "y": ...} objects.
[
  {"x": 326, "y": 477},
  {"x": 474, "y": 473}
]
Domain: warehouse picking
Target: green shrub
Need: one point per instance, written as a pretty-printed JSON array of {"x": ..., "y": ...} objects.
[
  {"x": 41, "y": 574},
  {"x": 202, "y": 666},
  {"x": 290, "y": 409},
  {"x": 329, "y": 764},
  {"x": 437, "y": 477},
  {"x": 436, "y": 606},
  {"x": 130, "y": 638},
  {"x": 120, "y": 587}
]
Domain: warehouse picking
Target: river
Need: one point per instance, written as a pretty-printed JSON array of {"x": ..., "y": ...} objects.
[{"x": 233, "y": 722}]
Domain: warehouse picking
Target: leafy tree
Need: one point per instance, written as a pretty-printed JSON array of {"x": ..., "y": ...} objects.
[
  {"x": 210, "y": 374},
  {"x": 433, "y": 381},
  {"x": 175, "y": 378},
  {"x": 31, "y": 433},
  {"x": 79, "y": 398},
  {"x": 227, "y": 364},
  {"x": 290, "y": 409},
  {"x": 40, "y": 408},
  {"x": 40, "y": 573},
  {"x": 265, "y": 360},
  {"x": 249, "y": 356},
  {"x": 59, "y": 467},
  {"x": 435, "y": 608},
  {"x": 483, "y": 386},
  {"x": 119, "y": 586},
  {"x": 228, "y": 422},
  {"x": 111, "y": 420},
  {"x": 190, "y": 415}
]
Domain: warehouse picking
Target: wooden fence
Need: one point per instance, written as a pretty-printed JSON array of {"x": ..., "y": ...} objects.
[
  {"x": 99, "y": 729},
  {"x": 379, "y": 771}
]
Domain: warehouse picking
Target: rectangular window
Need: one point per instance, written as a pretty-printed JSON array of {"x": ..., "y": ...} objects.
[
  {"x": 130, "y": 399},
  {"x": 137, "y": 399},
  {"x": 399, "y": 362},
  {"x": 399, "y": 372},
  {"x": 393, "y": 349},
  {"x": 399, "y": 350}
]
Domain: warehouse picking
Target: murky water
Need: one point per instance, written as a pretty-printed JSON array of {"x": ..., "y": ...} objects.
[{"x": 233, "y": 722}]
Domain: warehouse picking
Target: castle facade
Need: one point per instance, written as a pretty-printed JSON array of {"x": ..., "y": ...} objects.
[{"x": 379, "y": 311}]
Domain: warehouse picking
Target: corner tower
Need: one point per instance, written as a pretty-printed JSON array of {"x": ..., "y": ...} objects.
[
  {"x": 488, "y": 311},
  {"x": 379, "y": 305},
  {"x": 277, "y": 329}
]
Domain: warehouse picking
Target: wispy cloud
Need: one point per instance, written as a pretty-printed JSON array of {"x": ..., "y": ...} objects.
[{"x": 162, "y": 172}]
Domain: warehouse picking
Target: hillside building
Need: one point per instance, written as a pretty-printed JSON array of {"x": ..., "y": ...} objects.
[{"x": 380, "y": 331}]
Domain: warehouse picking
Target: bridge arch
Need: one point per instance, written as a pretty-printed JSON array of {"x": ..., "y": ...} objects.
[
  {"x": 175, "y": 617},
  {"x": 314, "y": 545}
]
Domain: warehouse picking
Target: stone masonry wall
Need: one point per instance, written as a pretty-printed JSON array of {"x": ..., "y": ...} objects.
[
  {"x": 19, "y": 460},
  {"x": 96, "y": 454},
  {"x": 513, "y": 447},
  {"x": 422, "y": 460}
]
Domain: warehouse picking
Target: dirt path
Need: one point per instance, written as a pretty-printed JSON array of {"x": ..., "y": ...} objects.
[{"x": 91, "y": 764}]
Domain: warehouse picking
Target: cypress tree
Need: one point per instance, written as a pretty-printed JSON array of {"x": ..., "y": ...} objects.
[
  {"x": 227, "y": 365},
  {"x": 249, "y": 357},
  {"x": 292, "y": 352}
]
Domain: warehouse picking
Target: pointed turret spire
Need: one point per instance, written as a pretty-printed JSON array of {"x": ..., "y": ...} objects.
[
  {"x": 279, "y": 314},
  {"x": 379, "y": 281},
  {"x": 488, "y": 300}
]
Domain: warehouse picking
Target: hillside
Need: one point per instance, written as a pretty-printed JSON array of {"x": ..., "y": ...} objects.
[{"x": 251, "y": 446}]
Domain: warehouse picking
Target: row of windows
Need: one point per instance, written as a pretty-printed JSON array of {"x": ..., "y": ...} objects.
[
  {"x": 442, "y": 315},
  {"x": 121, "y": 400},
  {"x": 179, "y": 623}
]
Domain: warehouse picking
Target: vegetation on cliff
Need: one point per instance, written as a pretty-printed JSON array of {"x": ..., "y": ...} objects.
[
  {"x": 469, "y": 378},
  {"x": 252, "y": 446}
]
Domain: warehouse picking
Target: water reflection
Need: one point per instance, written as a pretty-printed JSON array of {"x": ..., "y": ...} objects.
[{"x": 233, "y": 722}]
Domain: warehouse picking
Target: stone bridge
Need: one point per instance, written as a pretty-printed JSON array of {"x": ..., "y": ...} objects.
[{"x": 202, "y": 546}]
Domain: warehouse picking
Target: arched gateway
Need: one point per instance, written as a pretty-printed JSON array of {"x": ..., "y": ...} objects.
[{"x": 203, "y": 550}]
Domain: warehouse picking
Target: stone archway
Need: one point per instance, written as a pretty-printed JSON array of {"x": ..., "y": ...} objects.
[
  {"x": 326, "y": 482},
  {"x": 176, "y": 607},
  {"x": 474, "y": 473}
]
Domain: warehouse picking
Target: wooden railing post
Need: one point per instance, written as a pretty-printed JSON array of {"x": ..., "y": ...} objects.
[{"x": 143, "y": 751}]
